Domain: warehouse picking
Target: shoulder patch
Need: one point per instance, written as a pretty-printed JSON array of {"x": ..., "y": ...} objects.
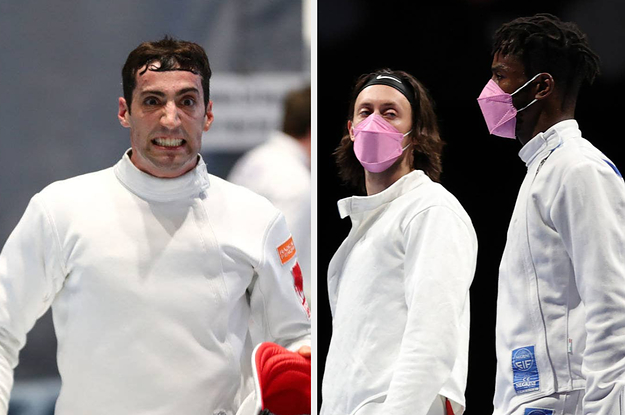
[{"x": 286, "y": 251}]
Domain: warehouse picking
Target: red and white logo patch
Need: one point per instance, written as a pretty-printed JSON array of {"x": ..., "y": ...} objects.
[
  {"x": 286, "y": 251},
  {"x": 298, "y": 282}
]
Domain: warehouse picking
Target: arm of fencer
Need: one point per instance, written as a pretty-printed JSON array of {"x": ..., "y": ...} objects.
[{"x": 28, "y": 262}]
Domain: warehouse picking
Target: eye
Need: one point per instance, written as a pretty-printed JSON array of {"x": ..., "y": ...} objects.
[
  {"x": 188, "y": 102},
  {"x": 391, "y": 114},
  {"x": 150, "y": 101},
  {"x": 364, "y": 112}
]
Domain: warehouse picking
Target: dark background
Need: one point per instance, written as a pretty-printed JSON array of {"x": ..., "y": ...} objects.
[{"x": 446, "y": 45}]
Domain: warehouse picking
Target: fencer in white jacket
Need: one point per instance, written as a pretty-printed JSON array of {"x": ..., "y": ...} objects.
[
  {"x": 153, "y": 267},
  {"x": 152, "y": 283},
  {"x": 399, "y": 283},
  {"x": 561, "y": 304},
  {"x": 398, "y": 289},
  {"x": 561, "y": 301}
]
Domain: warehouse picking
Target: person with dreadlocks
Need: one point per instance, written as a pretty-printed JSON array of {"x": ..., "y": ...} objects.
[
  {"x": 399, "y": 283},
  {"x": 561, "y": 299},
  {"x": 152, "y": 267}
]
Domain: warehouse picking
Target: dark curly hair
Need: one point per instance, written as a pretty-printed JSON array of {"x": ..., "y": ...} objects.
[
  {"x": 427, "y": 143},
  {"x": 544, "y": 43},
  {"x": 172, "y": 55}
]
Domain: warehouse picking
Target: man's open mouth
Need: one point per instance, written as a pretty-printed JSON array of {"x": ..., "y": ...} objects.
[{"x": 168, "y": 142}]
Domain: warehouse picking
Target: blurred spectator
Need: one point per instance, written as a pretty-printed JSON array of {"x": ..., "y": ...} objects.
[{"x": 279, "y": 170}]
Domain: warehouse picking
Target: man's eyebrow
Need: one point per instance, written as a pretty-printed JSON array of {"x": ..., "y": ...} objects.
[
  {"x": 187, "y": 90},
  {"x": 499, "y": 66},
  {"x": 153, "y": 92},
  {"x": 390, "y": 102},
  {"x": 162, "y": 94},
  {"x": 386, "y": 104}
]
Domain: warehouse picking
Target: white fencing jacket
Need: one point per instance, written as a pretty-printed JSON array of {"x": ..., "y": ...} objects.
[
  {"x": 152, "y": 283},
  {"x": 279, "y": 170},
  {"x": 561, "y": 303},
  {"x": 399, "y": 294}
]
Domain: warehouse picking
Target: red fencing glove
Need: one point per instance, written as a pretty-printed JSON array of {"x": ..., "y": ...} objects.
[{"x": 282, "y": 380}]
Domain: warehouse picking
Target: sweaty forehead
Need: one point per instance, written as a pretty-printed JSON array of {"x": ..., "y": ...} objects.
[
  {"x": 381, "y": 95},
  {"x": 167, "y": 81},
  {"x": 168, "y": 64}
]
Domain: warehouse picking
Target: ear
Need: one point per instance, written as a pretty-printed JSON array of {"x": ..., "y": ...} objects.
[
  {"x": 350, "y": 130},
  {"x": 208, "y": 116},
  {"x": 546, "y": 86},
  {"x": 122, "y": 113}
]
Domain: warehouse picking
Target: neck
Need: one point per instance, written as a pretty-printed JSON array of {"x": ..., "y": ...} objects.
[
  {"x": 377, "y": 182},
  {"x": 546, "y": 119}
]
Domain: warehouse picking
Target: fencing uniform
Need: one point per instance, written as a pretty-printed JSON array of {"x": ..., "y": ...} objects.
[
  {"x": 399, "y": 294},
  {"x": 152, "y": 283},
  {"x": 279, "y": 170},
  {"x": 561, "y": 303}
]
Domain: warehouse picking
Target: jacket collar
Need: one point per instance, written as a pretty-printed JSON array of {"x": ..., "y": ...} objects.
[
  {"x": 548, "y": 141},
  {"x": 157, "y": 189},
  {"x": 359, "y": 204}
]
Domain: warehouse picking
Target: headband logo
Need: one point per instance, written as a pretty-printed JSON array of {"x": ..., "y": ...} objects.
[
  {"x": 388, "y": 77},
  {"x": 405, "y": 88}
]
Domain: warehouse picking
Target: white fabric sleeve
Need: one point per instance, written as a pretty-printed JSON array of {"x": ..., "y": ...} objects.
[
  {"x": 296, "y": 210},
  {"x": 440, "y": 261},
  {"x": 589, "y": 215},
  {"x": 28, "y": 264},
  {"x": 277, "y": 304}
]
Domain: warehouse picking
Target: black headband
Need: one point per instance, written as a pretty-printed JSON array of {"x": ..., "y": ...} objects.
[{"x": 394, "y": 82}]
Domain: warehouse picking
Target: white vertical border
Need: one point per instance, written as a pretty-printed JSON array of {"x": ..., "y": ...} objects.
[{"x": 309, "y": 9}]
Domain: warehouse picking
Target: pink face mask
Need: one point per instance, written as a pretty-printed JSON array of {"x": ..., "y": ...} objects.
[
  {"x": 377, "y": 144},
  {"x": 498, "y": 110}
]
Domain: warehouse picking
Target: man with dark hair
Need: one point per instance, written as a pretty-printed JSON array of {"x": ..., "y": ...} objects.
[
  {"x": 171, "y": 55},
  {"x": 279, "y": 170},
  {"x": 152, "y": 267},
  {"x": 561, "y": 301}
]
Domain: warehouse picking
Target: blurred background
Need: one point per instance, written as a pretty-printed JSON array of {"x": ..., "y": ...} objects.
[
  {"x": 446, "y": 44},
  {"x": 60, "y": 77}
]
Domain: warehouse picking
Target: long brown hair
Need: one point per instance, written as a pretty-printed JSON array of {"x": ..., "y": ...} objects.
[{"x": 427, "y": 143}]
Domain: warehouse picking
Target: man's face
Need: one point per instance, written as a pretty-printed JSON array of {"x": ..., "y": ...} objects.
[
  {"x": 509, "y": 73},
  {"x": 387, "y": 102},
  {"x": 166, "y": 122}
]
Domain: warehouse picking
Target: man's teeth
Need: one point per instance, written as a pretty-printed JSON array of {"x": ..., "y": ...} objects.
[{"x": 168, "y": 142}]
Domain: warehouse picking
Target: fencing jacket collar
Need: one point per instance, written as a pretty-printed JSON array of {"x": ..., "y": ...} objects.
[
  {"x": 358, "y": 204},
  {"x": 157, "y": 189},
  {"x": 544, "y": 143}
]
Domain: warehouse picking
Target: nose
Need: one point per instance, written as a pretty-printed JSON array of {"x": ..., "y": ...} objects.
[{"x": 170, "y": 118}]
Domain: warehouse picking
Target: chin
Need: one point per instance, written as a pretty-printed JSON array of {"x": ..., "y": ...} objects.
[{"x": 176, "y": 170}]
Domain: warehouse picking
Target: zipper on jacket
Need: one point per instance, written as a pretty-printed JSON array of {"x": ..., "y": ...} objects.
[{"x": 545, "y": 159}]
